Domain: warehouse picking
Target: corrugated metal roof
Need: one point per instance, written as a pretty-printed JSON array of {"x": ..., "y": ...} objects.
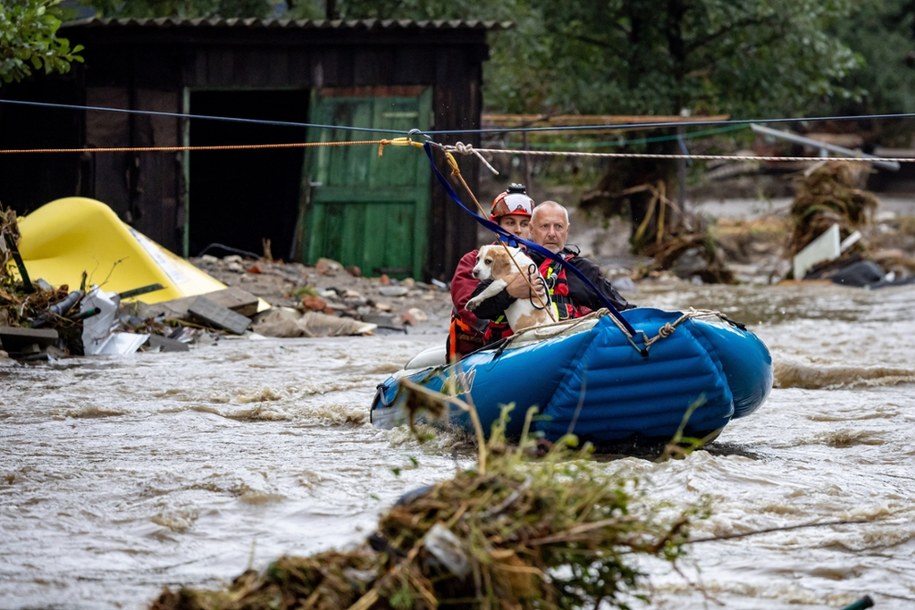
[{"x": 312, "y": 24}]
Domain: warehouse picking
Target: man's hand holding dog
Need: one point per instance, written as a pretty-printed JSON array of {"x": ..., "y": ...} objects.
[{"x": 521, "y": 287}]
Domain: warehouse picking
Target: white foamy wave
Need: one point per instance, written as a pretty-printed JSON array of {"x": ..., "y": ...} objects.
[
  {"x": 818, "y": 377},
  {"x": 258, "y": 413},
  {"x": 93, "y": 411}
]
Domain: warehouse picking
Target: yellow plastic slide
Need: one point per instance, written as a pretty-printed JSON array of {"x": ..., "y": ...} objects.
[{"x": 63, "y": 238}]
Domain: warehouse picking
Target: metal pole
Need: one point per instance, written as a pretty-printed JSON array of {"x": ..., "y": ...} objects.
[{"x": 824, "y": 146}]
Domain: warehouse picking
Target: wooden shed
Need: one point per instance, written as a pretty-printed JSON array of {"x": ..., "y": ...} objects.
[{"x": 230, "y": 82}]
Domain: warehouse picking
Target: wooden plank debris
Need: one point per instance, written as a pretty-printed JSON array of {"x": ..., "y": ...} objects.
[
  {"x": 238, "y": 300},
  {"x": 165, "y": 344},
  {"x": 213, "y": 314},
  {"x": 17, "y": 340}
]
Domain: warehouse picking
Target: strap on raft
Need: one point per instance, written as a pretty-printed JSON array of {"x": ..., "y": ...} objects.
[{"x": 505, "y": 235}]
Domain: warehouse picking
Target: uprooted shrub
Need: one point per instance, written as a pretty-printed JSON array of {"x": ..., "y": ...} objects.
[{"x": 522, "y": 529}]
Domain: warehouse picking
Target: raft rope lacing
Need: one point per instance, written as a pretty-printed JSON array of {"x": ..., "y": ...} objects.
[
  {"x": 665, "y": 331},
  {"x": 668, "y": 328}
]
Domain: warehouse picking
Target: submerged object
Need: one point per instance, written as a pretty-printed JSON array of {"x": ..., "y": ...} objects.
[
  {"x": 67, "y": 237},
  {"x": 589, "y": 378}
]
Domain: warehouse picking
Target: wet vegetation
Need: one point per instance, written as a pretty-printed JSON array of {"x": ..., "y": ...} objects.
[
  {"x": 24, "y": 304},
  {"x": 526, "y": 527}
]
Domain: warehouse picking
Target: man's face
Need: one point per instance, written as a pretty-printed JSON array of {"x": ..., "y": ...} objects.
[
  {"x": 516, "y": 225},
  {"x": 550, "y": 229}
]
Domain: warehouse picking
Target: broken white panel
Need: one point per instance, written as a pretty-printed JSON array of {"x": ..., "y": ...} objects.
[
  {"x": 825, "y": 247},
  {"x": 122, "y": 344},
  {"x": 99, "y": 337},
  {"x": 97, "y": 329},
  {"x": 850, "y": 241}
]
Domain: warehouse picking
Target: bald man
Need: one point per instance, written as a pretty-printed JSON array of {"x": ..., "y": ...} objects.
[{"x": 572, "y": 297}]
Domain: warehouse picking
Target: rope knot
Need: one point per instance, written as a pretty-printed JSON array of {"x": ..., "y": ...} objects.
[
  {"x": 464, "y": 149},
  {"x": 666, "y": 330},
  {"x": 468, "y": 149}
]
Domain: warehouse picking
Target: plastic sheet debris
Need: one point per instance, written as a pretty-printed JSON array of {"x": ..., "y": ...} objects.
[{"x": 99, "y": 336}]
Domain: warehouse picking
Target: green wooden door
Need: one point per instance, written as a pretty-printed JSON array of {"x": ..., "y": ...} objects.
[{"x": 363, "y": 209}]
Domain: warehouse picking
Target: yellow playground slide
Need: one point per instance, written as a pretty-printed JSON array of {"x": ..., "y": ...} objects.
[{"x": 64, "y": 238}]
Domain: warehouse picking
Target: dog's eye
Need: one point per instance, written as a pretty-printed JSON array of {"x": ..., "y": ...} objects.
[{"x": 488, "y": 261}]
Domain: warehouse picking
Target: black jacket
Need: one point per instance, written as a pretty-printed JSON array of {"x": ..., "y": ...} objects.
[{"x": 581, "y": 294}]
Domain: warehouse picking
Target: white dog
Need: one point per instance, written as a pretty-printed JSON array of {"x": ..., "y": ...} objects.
[{"x": 495, "y": 262}]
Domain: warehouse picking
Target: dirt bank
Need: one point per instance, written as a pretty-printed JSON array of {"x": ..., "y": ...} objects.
[
  {"x": 402, "y": 306},
  {"x": 752, "y": 235}
]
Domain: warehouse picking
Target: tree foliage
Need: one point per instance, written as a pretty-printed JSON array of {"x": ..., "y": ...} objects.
[
  {"x": 185, "y": 9},
  {"x": 28, "y": 40},
  {"x": 882, "y": 32},
  {"x": 748, "y": 58}
]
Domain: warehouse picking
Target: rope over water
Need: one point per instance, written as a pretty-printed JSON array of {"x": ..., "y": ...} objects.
[
  {"x": 461, "y": 147},
  {"x": 468, "y": 149},
  {"x": 533, "y": 246}
]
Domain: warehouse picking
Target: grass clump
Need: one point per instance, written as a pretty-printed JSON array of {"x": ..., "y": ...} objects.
[{"x": 522, "y": 529}]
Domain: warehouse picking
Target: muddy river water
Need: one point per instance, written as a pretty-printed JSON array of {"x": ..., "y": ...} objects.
[{"x": 120, "y": 476}]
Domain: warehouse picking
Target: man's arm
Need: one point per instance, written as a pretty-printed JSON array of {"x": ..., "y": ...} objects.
[
  {"x": 463, "y": 284},
  {"x": 583, "y": 295},
  {"x": 463, "y": 287},
  {"x": 494, "y": 306}
]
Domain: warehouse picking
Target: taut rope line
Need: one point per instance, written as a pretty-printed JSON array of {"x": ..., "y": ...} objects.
[
  {"x": 114, "y": 149},
  {"x": 467, "y": 149},
  {"x": 683, "y": 122}
]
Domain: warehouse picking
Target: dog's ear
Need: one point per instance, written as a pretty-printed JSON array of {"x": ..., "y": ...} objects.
[
  {"x": 485, "y": 255},
  {"x": 501, "y": 263}
]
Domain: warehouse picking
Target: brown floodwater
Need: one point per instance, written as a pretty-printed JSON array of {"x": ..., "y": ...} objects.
[{"x": 119, "y": 476}]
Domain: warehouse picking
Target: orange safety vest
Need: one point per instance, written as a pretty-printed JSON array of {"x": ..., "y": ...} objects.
[{"x": 462, "y": 339}]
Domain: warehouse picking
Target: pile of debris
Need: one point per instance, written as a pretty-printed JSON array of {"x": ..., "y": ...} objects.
[
  {"x": 39, "y": 321},
  {"x": 328, "y": 299},
  {"x": 521, "y": 529},
  {"x": 830, "y": 216},
  {"x": 829, "y": 194},
  {"x": 675, "y": 240}
]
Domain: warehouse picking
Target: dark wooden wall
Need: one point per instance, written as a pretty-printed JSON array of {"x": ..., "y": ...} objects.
[{"x": 145, "y": 65}]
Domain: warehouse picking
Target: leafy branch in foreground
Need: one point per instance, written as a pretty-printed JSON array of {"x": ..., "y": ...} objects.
[
  {"x": 29, "y": 41},
  {"x": 556, "y": 531}
]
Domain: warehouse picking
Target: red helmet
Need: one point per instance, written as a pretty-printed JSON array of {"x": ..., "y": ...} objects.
[{"x": 513, "y": 201}]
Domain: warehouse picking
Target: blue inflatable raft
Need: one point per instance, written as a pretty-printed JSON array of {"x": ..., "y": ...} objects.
[{"x": 591, "y": 378}]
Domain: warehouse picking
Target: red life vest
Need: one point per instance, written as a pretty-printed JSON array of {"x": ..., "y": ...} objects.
[
  {"x": 497, "y": 329},
  {"x": 557, "y": 282}
]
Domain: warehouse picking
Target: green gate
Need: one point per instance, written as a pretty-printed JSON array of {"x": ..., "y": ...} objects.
[{"x": 363, "y": 209}]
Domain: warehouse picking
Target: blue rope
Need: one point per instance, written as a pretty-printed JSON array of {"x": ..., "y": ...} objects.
[
  {"x": 608, "y": 127},
  {"x": 182, "y": 115},
  {"x": 511, "y": 238}
]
